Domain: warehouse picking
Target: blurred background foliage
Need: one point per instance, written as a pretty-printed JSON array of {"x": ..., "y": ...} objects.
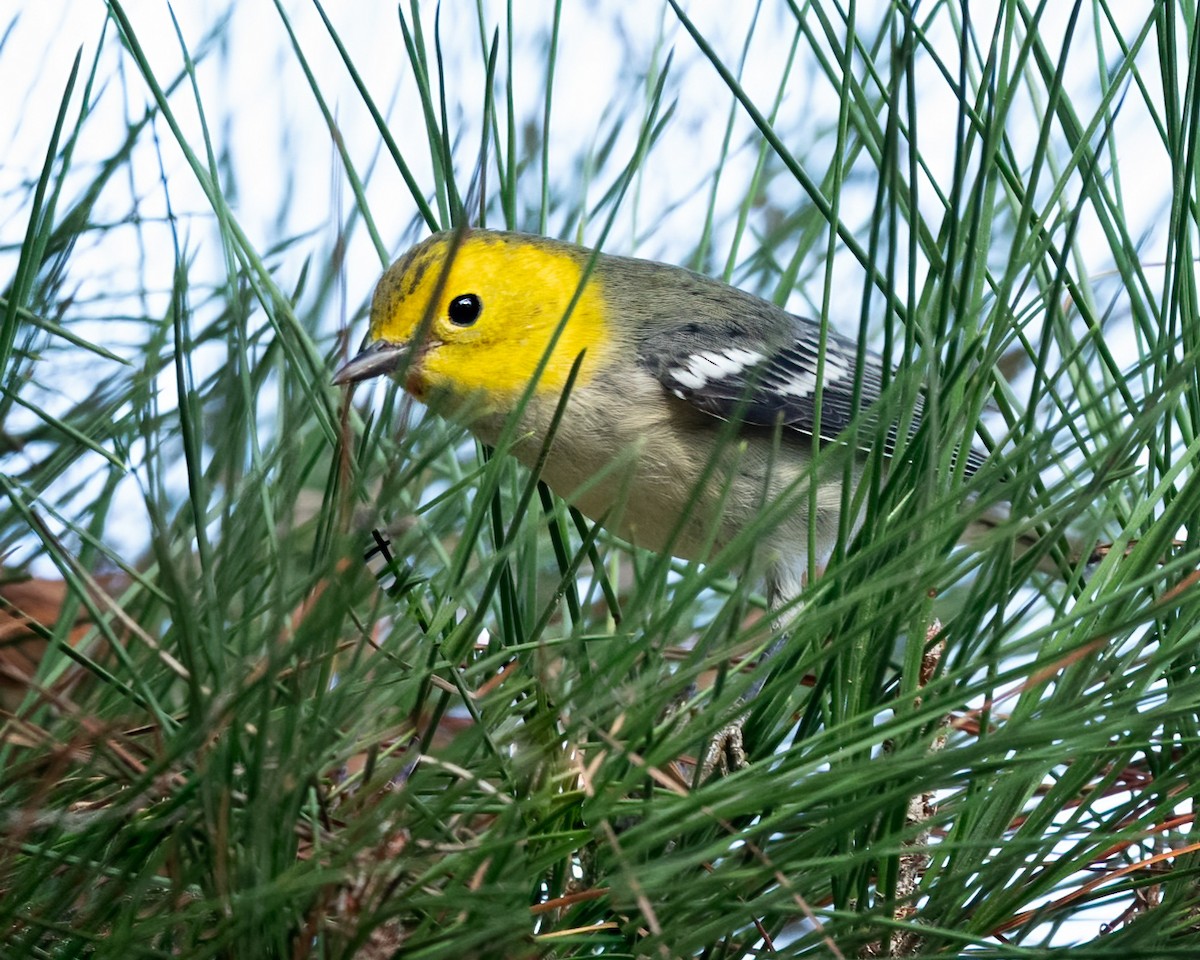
[{"x": 228, "y": 734}]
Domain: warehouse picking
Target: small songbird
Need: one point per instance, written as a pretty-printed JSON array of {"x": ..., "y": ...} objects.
[{"x": 692, "y": 405}]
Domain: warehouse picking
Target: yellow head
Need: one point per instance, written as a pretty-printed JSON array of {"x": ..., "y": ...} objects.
[{"x": 474, "y": 322}]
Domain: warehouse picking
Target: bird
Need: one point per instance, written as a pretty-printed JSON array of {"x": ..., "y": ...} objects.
[{"x": 669, "y": 406}]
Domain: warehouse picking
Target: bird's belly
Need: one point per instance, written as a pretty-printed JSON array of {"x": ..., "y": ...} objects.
[
  {"x": 684, "y": 487},
  {"x": 687, "y": 496},
  {"x": 651, "y": 504}
]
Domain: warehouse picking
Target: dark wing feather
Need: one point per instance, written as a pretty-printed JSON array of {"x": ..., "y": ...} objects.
[
  {"x": 751, "y": 362},
  {"x": 764, "y": 385}
]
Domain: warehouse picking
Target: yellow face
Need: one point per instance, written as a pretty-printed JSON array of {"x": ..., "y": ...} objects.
[{"x": 478, "y": 325}]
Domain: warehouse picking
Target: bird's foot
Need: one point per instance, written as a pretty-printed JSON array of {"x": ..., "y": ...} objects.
[{"x": 726, "y": 752}]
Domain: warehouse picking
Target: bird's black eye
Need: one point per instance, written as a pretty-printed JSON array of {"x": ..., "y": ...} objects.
[{"x": 465, "y": 310}]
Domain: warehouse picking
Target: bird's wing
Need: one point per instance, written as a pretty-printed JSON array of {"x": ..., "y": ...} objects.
[{"x": 771, "y": 385}]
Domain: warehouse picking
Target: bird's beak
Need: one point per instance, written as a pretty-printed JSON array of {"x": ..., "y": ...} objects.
[{"x": 373, "y": 360}]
